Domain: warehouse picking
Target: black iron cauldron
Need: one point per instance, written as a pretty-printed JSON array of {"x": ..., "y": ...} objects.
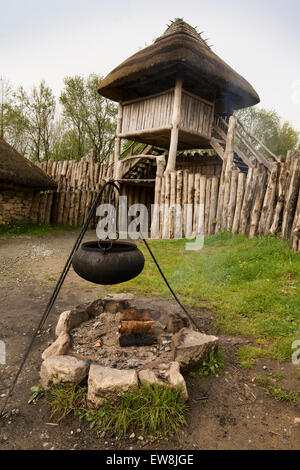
[{"x": 108, "y": 262}]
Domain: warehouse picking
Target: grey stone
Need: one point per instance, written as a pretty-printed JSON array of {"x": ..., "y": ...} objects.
[
  {"x": 60, "y": 346},
  {"x": 114, "y": 303},
  {"x": 175, "y": 378},
  {"x": 191, "y": 348},
  {"x": 95, "y": 308},
  {"x": 70, "y": 319},
  {"x": 149, "y": 377},
  {"x": 58, "y": 369},
  {"x": 107, "y": 383},
  {"x": 167, "y": 375},
  {"x": 63, "y": 323},
  {"x": 119, "y": 297}
]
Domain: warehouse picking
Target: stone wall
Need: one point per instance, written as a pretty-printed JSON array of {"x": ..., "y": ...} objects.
[{"x": 15, "y": 203}]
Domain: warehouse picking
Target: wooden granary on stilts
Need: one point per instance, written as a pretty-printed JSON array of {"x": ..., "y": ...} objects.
[{"x": 176, "y": 101}]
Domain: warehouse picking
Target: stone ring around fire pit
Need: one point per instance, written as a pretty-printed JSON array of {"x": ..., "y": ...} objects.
[{"x": 118, "y": 342}]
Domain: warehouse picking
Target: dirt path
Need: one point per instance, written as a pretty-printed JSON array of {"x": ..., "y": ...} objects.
[{"x": 227, "y": 412}]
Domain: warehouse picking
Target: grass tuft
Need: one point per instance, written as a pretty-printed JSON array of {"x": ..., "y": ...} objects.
[
  {"x": 214, "y": 363},
  {"x": 279, "y": 393},
  {"x": 157, "y": 410},
  {"x": 65, "y": 399}
]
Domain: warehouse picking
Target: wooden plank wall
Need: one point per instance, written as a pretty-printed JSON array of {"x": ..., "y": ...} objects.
[
  {"x": 139, "y": 115},
  {"x": 196, "y": 114},
  {"x": 156, "y": 112}
]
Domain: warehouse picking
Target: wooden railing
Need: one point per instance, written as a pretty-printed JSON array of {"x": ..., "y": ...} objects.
[{"x": 220, "y": 127}]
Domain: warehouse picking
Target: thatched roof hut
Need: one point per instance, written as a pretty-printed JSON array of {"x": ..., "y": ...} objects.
[
  {"x": 181, "y": 49},
  {"x": 18, "y": 170}
]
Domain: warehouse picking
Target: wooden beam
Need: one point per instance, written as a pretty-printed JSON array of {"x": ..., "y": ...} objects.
[
  {"x": 236, "y": 149},
  {"x": 277, "y": 159},
  {"x": 250, "y": 147},
  {"x": 175, "y": 125},
  {"x": 217, "y": 147},
  {"x": 117, "y": 151},
  {"x": 142, "y": 155},
  {"x": 255, "y": 152}
]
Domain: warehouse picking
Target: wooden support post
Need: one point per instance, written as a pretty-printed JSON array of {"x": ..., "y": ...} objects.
[
  {"x": 213, "y": 204},
  {"x": 295, "y": 232},
  {"x": 166, "y": 218},
  {"x": 162, "y": 202},
  {"x": 196, "y": 200},
  {"x": 291, "y": 198},
  {"x": 228, "y": 160},
  {"x": 173, "y": 183},
  {"x": 200, "y": 216},
  {"x": 267, "y": 211},
  {"x": 282, "y": 189},
  {"x": 258, "y": 198},
  {"x": 245, "y": 210},
  {"x": 178, "y": 219},
  {"x": 155, "y": 213},
  {"x": 225, "y": 179},
  {"x": 239, "y": 202},
  {"x": 175, "y": 125},
  {"x": 232, "y": 198},
  {"x": 207, "y": 206},
  {"x": 92, "y": 155},
  {"x": 117, "y": 151}
]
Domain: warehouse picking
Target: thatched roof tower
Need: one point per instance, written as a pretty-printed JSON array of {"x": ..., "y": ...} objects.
[
  {"x": 18, "y": 170},
  {"x": 171, "y": 93},
  {"x": 179, "y": 49}
]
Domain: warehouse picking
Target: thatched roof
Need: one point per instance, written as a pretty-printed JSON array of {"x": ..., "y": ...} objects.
[
  {"x": 18, "y": 170},
  {"x": 180, "y": 49}
]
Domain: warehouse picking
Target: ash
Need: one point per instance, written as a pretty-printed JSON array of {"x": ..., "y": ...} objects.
[{"x": 98, "y": 340}]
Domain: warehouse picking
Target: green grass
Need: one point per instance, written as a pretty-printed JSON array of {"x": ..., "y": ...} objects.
[
  {"x": 156, "y": 410},
  {"x": 248, "y": 354},
  {"x": 12, "y": 230},
  {"x": 65, "y": 399},
  {"x": 214, "y": 364},
  {"x": 277, "y": 375},
  {"x": 279, "y": 393},
  {"x": 253, "y": 284}
]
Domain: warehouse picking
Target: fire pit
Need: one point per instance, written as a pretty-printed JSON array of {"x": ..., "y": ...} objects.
[{"x": 119, "y": 342}]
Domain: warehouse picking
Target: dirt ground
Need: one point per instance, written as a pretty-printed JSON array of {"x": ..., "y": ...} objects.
[{"x": 226, "y": 412}]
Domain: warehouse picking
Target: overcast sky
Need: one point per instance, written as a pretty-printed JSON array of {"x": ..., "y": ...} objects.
[{"x": 260, "y": 39}]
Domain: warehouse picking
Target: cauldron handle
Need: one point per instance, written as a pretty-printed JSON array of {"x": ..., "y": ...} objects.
[{"x": 102, "y": 248}]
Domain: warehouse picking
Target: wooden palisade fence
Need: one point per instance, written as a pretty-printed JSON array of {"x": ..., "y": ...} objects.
[{"x": 263, "y": 201}]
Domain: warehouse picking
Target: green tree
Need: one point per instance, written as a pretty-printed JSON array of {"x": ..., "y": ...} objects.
[
  {"x": 89, "y": 118},
  {"x": 36, "y": 111},
  {"x": 5, "y": 104},
  {"x": 268, "y": 128},
  {"x": 65, "y": 143},
  {"x": 12, "y": 121}
]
